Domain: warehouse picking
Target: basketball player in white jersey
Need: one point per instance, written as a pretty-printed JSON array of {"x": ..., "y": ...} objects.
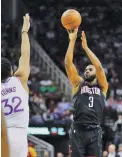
[
  {"x": 15, "y": 94},
  {"x": 4, "y": 138}
]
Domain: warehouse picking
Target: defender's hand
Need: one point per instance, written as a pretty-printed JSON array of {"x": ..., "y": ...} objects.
[
  {"x": 26, "y": 23},
  {"x": 73, "y": 34},
  {"x": 84, "y": 40}
]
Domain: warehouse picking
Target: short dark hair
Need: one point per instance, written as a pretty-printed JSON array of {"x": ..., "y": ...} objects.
[{"x": 5, "y": 68}]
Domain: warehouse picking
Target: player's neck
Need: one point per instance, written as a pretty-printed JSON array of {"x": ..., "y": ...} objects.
[{"x": 92, "y": 82}]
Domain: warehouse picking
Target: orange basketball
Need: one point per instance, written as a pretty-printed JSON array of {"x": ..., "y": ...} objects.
[{"x": 71, "y": 19}]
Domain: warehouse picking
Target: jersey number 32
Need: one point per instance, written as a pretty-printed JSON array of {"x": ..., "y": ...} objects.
[
  {"x": 12, "y": 107},
  {"x": 91, "y": 99}
]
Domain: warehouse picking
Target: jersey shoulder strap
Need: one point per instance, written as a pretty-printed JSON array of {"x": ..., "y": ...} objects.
[{"x": 81, "y": 84}]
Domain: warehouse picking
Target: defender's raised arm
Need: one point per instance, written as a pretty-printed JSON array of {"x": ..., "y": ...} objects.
[{"x": 24, "y": 62}]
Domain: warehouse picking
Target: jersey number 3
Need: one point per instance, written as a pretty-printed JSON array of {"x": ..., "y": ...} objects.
[{"x": 91, "y": 99}]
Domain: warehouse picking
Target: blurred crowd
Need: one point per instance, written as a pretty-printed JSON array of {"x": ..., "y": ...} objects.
[
  {"x": 47, "y": 103},
  {"x": 111, "y": 151},
  {"x": 32, "y": 152}
]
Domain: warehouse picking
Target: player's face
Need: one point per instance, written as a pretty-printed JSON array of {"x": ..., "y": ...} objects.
[{"x": 90, "y": 73}]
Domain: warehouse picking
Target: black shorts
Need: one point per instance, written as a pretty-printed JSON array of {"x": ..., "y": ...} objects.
[{"x": 85, "y": 143}]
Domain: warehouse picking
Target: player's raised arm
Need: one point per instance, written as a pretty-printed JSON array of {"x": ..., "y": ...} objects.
[
  {"x": 24, "y": 62},
  {"x": 100, "y": 74},
  {"x": 71, "y": 70}
]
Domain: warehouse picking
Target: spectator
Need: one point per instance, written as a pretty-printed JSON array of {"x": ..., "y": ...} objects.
[
  {"x": 120, "y": 150},
  {"x": 115, "y": 102},
  {"x": 63, "y": 108},
  {"x": 60, "y": 154},
  {"x": 29, "y": 154},
  {"x": 31, "y": 150},
  {"x": 118, "y": 130},
  {"x": 112, "y": 151},
  {"x": 118, "y": 124},
  {"x": 105, "y": 153},
  {"x": 37, "y": 119}
]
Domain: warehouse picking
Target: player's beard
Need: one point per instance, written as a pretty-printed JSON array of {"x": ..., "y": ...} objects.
[{"x": 90, "y": 79}]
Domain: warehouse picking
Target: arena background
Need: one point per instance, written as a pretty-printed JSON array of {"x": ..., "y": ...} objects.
[{"x": 50, "y": 91}]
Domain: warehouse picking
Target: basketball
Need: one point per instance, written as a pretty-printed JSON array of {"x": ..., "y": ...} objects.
[{"x": 71, "y": 19}]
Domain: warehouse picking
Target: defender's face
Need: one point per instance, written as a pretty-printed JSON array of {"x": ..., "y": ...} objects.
[{"x": 90, "y": 73}]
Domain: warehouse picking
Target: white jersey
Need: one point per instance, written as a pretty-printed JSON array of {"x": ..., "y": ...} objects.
[{"x": 14, "y": 99}]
